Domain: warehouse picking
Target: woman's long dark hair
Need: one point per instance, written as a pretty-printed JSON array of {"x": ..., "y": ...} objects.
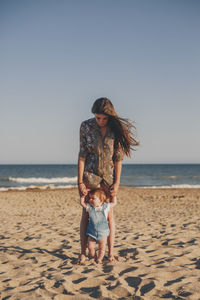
[{"x": 121, "y": 127}]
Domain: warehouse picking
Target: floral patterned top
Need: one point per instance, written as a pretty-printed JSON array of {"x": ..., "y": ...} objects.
[{"x": 99, "y": 152}]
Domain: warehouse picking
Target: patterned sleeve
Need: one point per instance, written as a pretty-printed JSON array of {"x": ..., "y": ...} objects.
[
  {"x": 83, "y": 142},
  {"x": 118, "y": 154}
]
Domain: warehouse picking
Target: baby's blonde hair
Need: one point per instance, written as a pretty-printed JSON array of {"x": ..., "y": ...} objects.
[{"x": 99, "y": 193}]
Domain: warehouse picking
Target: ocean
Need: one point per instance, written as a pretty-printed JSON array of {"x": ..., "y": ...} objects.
[{"x": 21, "y": 177}]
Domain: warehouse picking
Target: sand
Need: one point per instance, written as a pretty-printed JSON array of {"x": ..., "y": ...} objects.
[{"x": 157, "y": 247}]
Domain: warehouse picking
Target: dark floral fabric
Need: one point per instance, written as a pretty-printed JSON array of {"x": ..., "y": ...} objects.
[{"x": 99, "y": 153}]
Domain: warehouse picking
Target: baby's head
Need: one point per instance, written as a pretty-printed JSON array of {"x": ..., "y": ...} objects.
[{"x": 97, "y": 197}]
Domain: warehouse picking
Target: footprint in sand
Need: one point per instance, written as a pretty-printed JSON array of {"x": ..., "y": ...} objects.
[
  {"x": 131, "y": 252},
  {"x": 133, "y": 282},
  {"x": 174, "y": 281},
  {"x": 147, "y": 288},
  {"x": 131, "y": 269},
  {"x": 107, "y": 268}
]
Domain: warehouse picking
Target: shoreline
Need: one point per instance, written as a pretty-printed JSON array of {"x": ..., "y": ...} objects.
[{"x": 39, "y": 189}]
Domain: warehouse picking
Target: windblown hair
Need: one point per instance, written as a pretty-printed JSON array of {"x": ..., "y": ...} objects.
[
  {"x": 99, "y": 193},
  {"x": 121, "y": 127}
]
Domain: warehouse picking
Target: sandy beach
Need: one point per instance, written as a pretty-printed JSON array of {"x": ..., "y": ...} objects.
[{"x": 156, "y": 247}]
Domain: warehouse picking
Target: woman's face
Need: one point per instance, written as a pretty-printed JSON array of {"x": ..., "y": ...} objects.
[{"x": 101, "y": 119}]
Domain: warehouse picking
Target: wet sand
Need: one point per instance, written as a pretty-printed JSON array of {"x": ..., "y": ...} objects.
[{"x": 157, "y": 247}]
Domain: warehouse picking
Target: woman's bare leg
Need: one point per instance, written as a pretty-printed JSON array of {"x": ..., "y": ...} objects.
[
  {"x": 102, "y": 249},
  {"x": 83, "y": 237},
  {"x": 111, "y": 237}
]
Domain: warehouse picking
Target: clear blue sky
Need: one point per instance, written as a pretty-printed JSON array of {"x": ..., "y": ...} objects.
[{"x": 57, "y": 57}]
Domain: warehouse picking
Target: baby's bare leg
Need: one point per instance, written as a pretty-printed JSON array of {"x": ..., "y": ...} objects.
[
  {"x": 92, "y": 246},
  {"x": 102, "y": 249}
]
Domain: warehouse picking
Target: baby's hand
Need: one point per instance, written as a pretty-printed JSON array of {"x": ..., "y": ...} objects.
[{"x": 82, "y": 202}]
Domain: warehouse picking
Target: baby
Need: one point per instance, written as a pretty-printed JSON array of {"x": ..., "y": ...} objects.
[{"x": 98, "y": 229}]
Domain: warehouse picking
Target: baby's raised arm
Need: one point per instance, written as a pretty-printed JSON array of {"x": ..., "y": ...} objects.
[{"x": 82, "y": 202}]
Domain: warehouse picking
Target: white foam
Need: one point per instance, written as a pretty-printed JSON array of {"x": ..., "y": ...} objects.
[
  {"x": 52, "y": 186},
  {"x": 44, "y": 180},
  {"x": 174, "y": 186},
  {"x": 42, "y": 187},
  {"x": 2, "y": 189},
  {"x": 171, "y": 177}
]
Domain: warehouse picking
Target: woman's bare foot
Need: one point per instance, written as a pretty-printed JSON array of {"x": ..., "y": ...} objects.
[
  {"x": 82, "y": 259},
  {"x": 111, "y": 258},
  {"x": 92, "y": 260}
]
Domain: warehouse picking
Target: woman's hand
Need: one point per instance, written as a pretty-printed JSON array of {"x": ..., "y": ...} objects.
[
  {"x": 114, "y": 190},
  {"x": 83, "y": 191}
]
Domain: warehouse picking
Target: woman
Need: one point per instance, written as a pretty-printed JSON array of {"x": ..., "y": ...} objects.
[{"x": 104, "y": 140}]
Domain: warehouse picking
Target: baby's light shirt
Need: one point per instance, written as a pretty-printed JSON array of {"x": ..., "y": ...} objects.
[{"x": 106, "y": 210}]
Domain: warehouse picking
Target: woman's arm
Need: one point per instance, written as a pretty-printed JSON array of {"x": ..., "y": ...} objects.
[
  {"x": 117, "y": 170},
  {"x": 81, "y": 186},
  {"x": 81, "y": 165},
  {"x": 81, "y": 160}
]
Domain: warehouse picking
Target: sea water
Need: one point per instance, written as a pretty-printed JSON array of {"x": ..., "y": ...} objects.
[{"x": 54, "y": 176}]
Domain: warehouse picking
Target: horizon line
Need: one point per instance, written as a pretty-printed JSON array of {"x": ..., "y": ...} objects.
[{"x": 136, "y": 163}]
